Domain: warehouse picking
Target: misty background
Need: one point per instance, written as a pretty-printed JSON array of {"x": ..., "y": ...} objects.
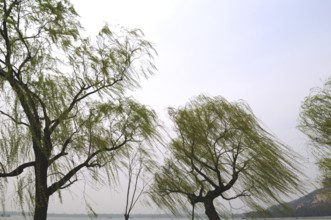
[{"x": 268, "y": 53}]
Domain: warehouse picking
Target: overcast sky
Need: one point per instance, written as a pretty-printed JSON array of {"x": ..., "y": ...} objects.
[{"x": 268, "y": 53}]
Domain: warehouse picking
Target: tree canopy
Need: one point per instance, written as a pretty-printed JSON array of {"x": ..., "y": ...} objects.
[
  {"x": 63, "y": 98},
  {"x": 315, "y": 122},
  {"x": 220, "y": 150}
]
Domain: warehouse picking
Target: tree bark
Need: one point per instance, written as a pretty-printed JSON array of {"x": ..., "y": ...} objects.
[
  {"x": 42, "y": 197},
  {"x": 126, "y": 216},
  {"x": 193, "y": 206},
  {"x": 210, "y": 210}
]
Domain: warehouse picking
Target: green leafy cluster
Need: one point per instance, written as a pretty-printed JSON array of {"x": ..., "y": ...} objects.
[
  {"x": 315, "y": 122},
  {"x": 315, "y": 118},
  {"x": 220, "y": 148},
  {"x": 63, "y": 96}
]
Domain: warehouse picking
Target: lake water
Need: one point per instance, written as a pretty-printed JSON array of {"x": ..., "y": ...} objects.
[{"x": 66, "y": 218}]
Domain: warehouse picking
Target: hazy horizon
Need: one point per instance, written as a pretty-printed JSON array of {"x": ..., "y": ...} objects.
[{"x": 268, "y": 53}]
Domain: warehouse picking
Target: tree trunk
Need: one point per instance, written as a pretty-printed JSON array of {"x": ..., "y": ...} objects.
[
  {"x": 210, "y": 210},
  {"x": 42, "y": 197},
  {"x": 126, "y": 216},
  {"x": 193, "y": 206}
]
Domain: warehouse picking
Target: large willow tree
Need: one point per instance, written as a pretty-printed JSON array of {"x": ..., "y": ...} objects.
[
  {"x": 220, "y": 151},
  {"x": 63, "y": 105},
  {"x": 315, "y": 122}
]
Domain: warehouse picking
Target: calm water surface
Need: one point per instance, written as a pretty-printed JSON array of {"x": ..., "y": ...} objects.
[{"x": 66, "y": 218}]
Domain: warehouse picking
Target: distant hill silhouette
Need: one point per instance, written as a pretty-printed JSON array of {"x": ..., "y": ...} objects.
[{"x": 316, "y": 203}]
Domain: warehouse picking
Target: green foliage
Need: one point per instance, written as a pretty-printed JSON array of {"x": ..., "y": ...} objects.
[
  {"x": 315, "y": 117},
  {"x": 325, "y": 167},
  {"x": 63, "y": 97},
  {"x": 220, "y": 150},
  {"x": 315, "y": 122}
]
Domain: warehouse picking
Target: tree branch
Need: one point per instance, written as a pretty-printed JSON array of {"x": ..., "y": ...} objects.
[
  {"x": 78, "y": 97},
  {"x": 236, "y": 196},
  {"x": 135, "y": 198},
  {"x": 64, "y": 147},
  {"x": 18, "y": 170},
  {"x": 69, "y": 184},
  {"x": 13, "y": 119},
  {"x": 199, "y": 170},
  {"x": 57, "y": 185}
]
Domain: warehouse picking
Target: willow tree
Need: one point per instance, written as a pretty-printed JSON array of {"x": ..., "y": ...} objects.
[
  {"x": 221, "y": 151},
  {"x": 315, "y": 122},
  {"x": 63, "y": 103}
]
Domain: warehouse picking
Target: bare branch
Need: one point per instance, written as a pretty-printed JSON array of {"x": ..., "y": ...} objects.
[
  {"x": 78, "y": 97},
  {"x": 57, "y": 185},
  {"x": 18, "y": 170},
  {"x": 135, "y": 197},
  {"x": 64, "y": 147},
  {"x": 14, "y": 120},
  {"x": 199, "y": 170},
  {"x": 236, "y": 196},
  {"x": 70, "y": 183}
]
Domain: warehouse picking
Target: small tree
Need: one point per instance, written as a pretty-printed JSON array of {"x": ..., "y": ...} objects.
[
  {"x": 139, "y": 165},
  {"x": 220, "y": 150},
  {"x": 63, "y": 103},
  {"x": 315, "y": 122}
]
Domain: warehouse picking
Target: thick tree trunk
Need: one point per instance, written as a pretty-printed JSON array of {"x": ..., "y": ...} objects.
[
  {"x": 42, "y": 197},
  {"x": 40, "y": 211},
  {"x": 210, "y": 210}
]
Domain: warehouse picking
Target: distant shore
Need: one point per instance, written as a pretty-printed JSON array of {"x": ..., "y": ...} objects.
[{"x": 103, "y": 215}]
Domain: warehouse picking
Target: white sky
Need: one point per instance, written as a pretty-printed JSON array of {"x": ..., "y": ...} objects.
[{"x": 268, "y": 53}]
